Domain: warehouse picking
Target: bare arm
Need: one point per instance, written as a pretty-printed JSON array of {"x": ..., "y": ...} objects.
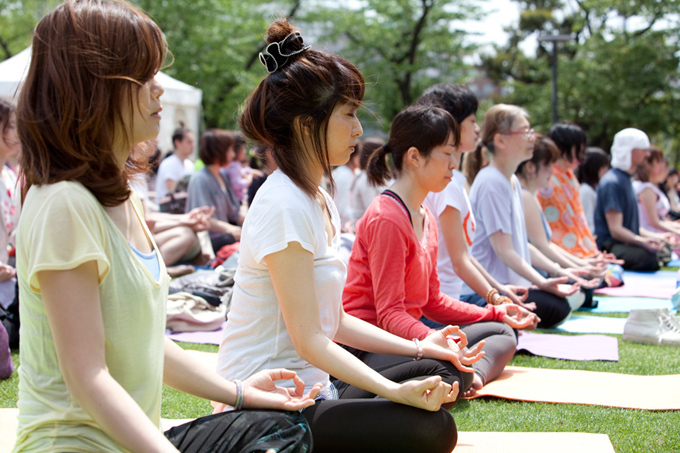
[
  {"x": 622, "y": 234},
  {"x": 454, "y": 240},
  {"x": 170, "y": 185},
  {"x": 292, "y": 274},
  {"x": 502, "y": 245},
  {"x": 225, "y": 227},
  {"x": 78, "y": 331},
  {"x": 648, "y": 200},
  {"x": 536, "y": 231}
]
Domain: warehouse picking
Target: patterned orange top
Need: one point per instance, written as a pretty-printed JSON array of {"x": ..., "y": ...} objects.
[{"x": 561, "y": 203}]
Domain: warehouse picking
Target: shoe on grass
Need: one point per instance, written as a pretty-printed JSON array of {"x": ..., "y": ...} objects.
[{"x": 658, "y": 327}]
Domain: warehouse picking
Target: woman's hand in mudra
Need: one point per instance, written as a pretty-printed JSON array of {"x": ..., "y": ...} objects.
[
  {"x": 450, "y": 343},
  {"x": 261, "y": 392}
]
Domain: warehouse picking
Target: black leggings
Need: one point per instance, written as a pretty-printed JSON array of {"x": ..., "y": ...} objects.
[
  {"x": 361, "y": 422},
  {"x": 243, "y": 432},
  {"x": 550, "y": 308},
  {"x": 500, "y": 347}
]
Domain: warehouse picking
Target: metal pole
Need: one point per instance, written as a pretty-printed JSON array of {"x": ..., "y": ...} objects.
[{"x": 554, "y": 39}]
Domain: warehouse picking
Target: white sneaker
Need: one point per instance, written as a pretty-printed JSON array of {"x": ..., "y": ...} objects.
[{"x": 652, "y": 327}]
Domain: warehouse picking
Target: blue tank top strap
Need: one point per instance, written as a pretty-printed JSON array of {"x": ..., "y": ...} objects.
[{"x": 150, "y": 261}]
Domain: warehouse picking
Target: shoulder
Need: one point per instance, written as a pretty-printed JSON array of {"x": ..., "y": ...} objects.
[
  {"x": 279, "y": 192},
  {"x": 62, "y": 195}
]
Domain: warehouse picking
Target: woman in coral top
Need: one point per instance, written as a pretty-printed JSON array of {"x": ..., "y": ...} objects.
[{"x": 392, "y": 279}]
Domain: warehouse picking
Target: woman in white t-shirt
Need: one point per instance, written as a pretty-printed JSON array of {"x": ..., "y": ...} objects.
[
  {"x": 94, "y": 356},
  {"x": 287, "y": 300}
]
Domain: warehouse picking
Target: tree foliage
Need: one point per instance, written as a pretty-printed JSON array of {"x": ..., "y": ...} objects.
[
  {"x": 401, "y": 46},
  {"x": 621, "y": 69},
  {"x": 17, "y": 20}
]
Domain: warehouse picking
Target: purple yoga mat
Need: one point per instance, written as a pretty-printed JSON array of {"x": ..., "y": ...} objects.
[
  {"x": 211, "y": 337},
  {"x": 570, "y": 347}
]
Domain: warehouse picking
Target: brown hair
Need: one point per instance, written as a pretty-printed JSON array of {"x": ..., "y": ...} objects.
[
  {"x": 499, "y": 119},
  {"x": 472, "y": 163},
  {"x": 303, "y": 92},
  {"x": 367, "y": 148},
  {"x": 88, "y": 57},
  {"x": 6, "y": 110},
  {"x": 420, "y": 126},
  {"x": 214, "y": 146},
  {"x": 642, "y": 172},
  {"x": 546, "y": 152}
]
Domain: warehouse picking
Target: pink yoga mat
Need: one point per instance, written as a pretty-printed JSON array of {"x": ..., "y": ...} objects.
[
  {"x": 212, "y": 337},
  {"x": 659, "y": 284},
  {"x": 570, "y": 347}
]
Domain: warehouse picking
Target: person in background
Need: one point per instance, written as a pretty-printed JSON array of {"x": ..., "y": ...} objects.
[
  {"x": 343, "y": 178},
  {"x": 617, "y": 222},
  {"x": 392, "y": 273},
  {"x": 534, "y": 175},
  {"x": 653, "y": 204},
  {"x": 264, "y": 154},
  {"x": 669, "y": 187},
  {"x": 177, "y": 165},
  {"x": 501, "y": 245},
  {"x": 594, "y": 165},
  {"x": 211, "y": 188},
  {"x": 94, "y": 291},
  {"x": 451, "y": 208},
  {"x": 362, "y": 191}
]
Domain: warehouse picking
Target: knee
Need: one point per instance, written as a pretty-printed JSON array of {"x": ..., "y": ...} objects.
[{"x": 443, "y": 436}]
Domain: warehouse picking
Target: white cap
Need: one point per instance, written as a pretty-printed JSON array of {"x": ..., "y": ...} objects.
[{"x": 625, "y": 142}]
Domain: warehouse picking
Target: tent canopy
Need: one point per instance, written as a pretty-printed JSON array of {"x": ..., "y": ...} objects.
[{"x": 181, "y": 102}]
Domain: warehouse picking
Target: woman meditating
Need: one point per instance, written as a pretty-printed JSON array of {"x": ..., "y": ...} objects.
[
  {"x": 451, "y": 207},
  {"x": 94, "y": 356},
  {"x": 501, "y": 245},
  {"x": 210, "y": 187},
  {"x": 287, "y": 301},
  {"x": 392, "y": 273}
]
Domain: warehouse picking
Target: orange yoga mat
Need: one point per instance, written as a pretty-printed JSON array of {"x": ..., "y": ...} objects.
[
  {"x": 586, "y": 387},
  {"x": 467, "y": 442}
]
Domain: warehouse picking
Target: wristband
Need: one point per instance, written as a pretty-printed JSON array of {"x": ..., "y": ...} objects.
[
  {"x": 419, "y": 353},
  {"x": 489, "y": 296},
  {"x": 503, "y": 300},
  {"x": 239, "y": 395}
]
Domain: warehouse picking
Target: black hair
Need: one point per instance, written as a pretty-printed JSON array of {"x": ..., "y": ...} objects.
[
  {"x": 458, "y": 100},
  {"x": 594, "y": 159},
  {"x": 568, "y": 136}
]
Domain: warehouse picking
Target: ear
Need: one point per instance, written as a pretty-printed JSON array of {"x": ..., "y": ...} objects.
[
  {"x": 413, "y": 157},
  {"x": 530, "y": 168},
  {"x": 302, "y": 127},
  {"x": 499, "y": 141}
]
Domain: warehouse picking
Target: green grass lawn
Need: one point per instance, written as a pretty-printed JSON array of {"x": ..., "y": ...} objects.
[{"x": 630, "y": 431}]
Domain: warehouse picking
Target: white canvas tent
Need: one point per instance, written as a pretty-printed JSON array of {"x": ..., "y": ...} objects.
[{"x": 181, "y": 102}]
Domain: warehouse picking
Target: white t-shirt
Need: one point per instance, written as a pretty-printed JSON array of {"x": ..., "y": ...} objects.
[
  {"x": 173, "y": 169},
  {"x": 343, "y": 177},
  {"x": 498, "y": 205},
  {"x": 256, "y": 337},
  {"x": 453, "y": 195},
  {"x": 588, "y": 201},
  {"x": 362, "y": 194}
]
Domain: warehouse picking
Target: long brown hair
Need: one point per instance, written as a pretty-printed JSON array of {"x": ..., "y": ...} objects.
[
  {"x": 302, "y": 92},
  {"x": 88, "y": 57}
]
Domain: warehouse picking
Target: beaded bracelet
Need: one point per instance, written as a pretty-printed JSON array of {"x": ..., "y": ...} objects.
[
  {"x": 489, "y": 296},
  {"x": 239, "y": 395},
  {"x": 419, "y": 354},
  {"x": 503, "y": 300}
]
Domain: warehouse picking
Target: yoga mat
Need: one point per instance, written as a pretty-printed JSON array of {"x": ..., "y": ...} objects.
[
  {"x": 211, "y": 337},
  {"x": 626, "y": 304},
  {"x": 569, "y": 347},
  {"x": 468, "y": 442},
  {"x": 660, "y": 284},
  {"x": 592, "y": 324},
  {"x": 586, "y": 387},
  {"x": 481, "y": 442}
]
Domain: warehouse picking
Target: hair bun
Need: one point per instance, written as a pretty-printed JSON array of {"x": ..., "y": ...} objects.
[{"x": 278, "y": 31}]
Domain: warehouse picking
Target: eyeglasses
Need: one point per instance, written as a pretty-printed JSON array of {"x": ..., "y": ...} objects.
[{"x": 528, "y": 133}]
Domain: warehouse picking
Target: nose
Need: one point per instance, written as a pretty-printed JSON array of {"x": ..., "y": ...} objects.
[
  {"x": 357, "y": 130},
  {"x": 156, "y": 88}
]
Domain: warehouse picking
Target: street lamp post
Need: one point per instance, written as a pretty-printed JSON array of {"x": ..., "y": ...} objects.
[{"x": 554, "y": 39}]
